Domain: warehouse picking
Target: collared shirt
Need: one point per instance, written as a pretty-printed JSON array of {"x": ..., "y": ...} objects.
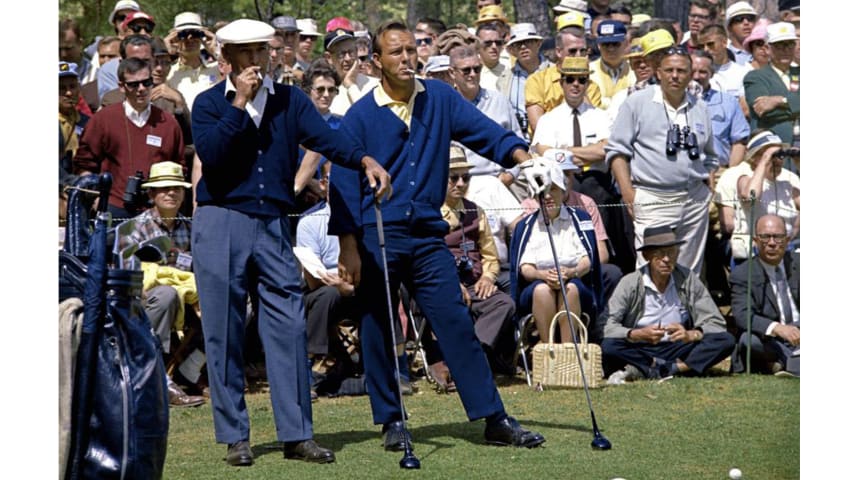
[
  {"x": 543, "y": 88},
  {"x": 570, "y": 250},
  {"x": 192, "y": 81},
  {"x": 771, "y": 272},
  {"x": 254, "y": 107},
  {"x": 149, "y": 224},
  {"x": 729, "y": 78},
  {"x": 677, "y": 115},
  {"x": 742, "y": 57},
  {"x": 350, "y": 95},
  {"x": 728, "y": 122},
  {"x": 485, "y": 242},
  {"x": 403, "y": 110},
  {"x": 312, "y": 233},
  {"x": 489, "y": 76},
  {"x": 611, "y": 80},
  {"x": 662, "y": 308},
  {"x": 137, "y": 118},
  {"x": 784, "y": 76},
  {"x": 555, "y": 128}
]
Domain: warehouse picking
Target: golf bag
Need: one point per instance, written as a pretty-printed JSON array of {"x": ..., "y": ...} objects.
[{"x": 120, "y": 407}]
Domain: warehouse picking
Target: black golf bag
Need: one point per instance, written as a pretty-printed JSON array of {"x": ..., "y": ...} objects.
[{"x": 120, "y": 407}]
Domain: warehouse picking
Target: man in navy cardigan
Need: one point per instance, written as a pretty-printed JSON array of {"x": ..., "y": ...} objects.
[
  {"x": 247, "y": 131},
  {"x": 408, "y": 125}
]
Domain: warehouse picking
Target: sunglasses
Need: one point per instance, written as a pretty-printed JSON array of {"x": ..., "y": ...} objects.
[
  {"x": 423, "y": 41},
  {"x": 757, "y": 43},
  {"x": 576, "y": 52},
  {"x": 325, "y": 90},
  {"x": 138, "y": 27},
  {"x": 677, "y": 50},
  {"x": 304, "y": 38},
  {"x": 364, "y": 58},
  {"x": 491, "y": 43},
  {"x": 569, "y": 79},
  {"x": 469, "y": 70},
  {"x": 742, "y": 18},
  {"x": 454, "y": 178},
  {"x": 185, "y": 34},
  {"x": 133, "y": 85},
  {"x": 610, "y": 45}
]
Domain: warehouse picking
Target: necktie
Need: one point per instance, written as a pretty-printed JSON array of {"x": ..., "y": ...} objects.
[
  {"x": 783, "y": 294},
  {"x": 576, "y": 129}
]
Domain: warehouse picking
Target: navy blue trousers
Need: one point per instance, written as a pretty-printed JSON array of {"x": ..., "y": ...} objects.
[
  {"x": 235, "y": 253},
  {"x": 427, "y": 270},
  {"x": 699, "y": 356}
]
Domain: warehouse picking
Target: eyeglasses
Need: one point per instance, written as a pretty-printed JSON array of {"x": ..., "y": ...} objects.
[
  {"x": 569, "y": 79},
  {"x": 677, "y": 50},
  {"x": 306, "y": 38},
  {"x": 767, "y": 237},
  {"x": 364, "y": 58},
  {"x": 423, "y": 41},
  {"x": 576, "y": 52},
  {"x": 469, "y": 70},
  {"x": 529, "y": 43},
  {"x": 185, "y": 34},
  {"x": 344, "y": 53},
  {"x": 325, "y": 90},
  {"x": 742, "y": 18},
  {"x": 694, "y": 16},
  {"x": 278, "y": 50},
  {"x": 138, "y": 27},
  {"x": 454, "y": 178},
  {"x": 133, "y": 85},
  {"x": 493, "y": 43}
]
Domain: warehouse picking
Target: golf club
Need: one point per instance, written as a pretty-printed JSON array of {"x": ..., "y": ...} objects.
[
  {"x": 409, "y": 460},
  {"x": 599, "y": 441}
]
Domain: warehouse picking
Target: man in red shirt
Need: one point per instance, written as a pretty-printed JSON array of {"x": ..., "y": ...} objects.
[{"x": 128, "y": 137}]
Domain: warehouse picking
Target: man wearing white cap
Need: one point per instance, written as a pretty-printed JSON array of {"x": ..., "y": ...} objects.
[
  {"x": 190, "y": 75},
  {"x": 740, "y": 19},
  {"x": 773, "y": 91},
  {"x": 524, "y": 44},
  {"x": 438, "y": 68},
  {"x": 308, "y": 35},
  {"x": 248, "y": 130}
]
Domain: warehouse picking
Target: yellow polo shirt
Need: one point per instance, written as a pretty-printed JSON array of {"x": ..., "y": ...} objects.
[
  {"x": 403, "y": 110},
  {"x": 543, "y": 88}
]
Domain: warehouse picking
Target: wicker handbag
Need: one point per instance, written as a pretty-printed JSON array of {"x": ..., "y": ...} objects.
[{"x": 556, "y": 365}]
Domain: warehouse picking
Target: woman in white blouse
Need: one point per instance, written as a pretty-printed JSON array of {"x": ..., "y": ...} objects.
[{"x": 538, "y": 267}]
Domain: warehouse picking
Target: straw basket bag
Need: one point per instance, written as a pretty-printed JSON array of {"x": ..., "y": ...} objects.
[{"x": 556, "y": 365}]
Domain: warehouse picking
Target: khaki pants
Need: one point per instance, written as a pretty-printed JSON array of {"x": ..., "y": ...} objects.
[{"x": 686, "y": 211}]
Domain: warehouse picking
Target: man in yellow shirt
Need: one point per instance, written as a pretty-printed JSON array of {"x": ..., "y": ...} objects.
[{"x": 611, "y": 72}]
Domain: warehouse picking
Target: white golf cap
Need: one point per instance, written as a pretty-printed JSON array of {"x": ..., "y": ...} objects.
[
  {"x": 123, "y": 5},
  {"x": 567, "y": 5},
  {"x": 437, "y": 63},
  {"x": 523, "y": 31},
  {"x": 245, "y": 30},
  {"x": 781, "y": 31},
  {"x": 738, "y": 9},
  {"x": 308, "y": 27},
  {"x": 188, "y": 21}
]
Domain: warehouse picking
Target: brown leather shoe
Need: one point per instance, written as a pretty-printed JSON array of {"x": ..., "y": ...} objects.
[
  {"x": 239, "y": 454},
  {"x": 309, "y": 451},
  {"x": 178, "y": 398}
]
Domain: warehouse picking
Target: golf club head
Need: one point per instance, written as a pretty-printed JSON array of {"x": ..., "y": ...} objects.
[
  {"x": 410, "y": 461},
  {"x": 600, "y": 442}
]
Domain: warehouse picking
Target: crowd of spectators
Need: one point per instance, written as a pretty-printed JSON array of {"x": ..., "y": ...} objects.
[{"x": 676, "y": 159}]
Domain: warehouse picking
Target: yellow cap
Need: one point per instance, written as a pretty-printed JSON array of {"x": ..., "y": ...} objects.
[
  {"x": 490, "y": 13},
  {"x": 569, "y": 19},
  {"x": 656, "y": 40},
  {"x": 575, "y": 66}
]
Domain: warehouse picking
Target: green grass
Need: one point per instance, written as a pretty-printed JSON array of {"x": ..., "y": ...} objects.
[{"x": 681, "y": 429}]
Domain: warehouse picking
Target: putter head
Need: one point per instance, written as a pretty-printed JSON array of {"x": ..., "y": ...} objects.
[
  {"x": 600, "y": 442},
  {"x": 410, "y": 461}
]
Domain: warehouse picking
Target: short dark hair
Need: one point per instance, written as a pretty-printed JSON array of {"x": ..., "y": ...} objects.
[
  {"x": 435, "y": 24},
  {"x": 385, "y": 27},
  {"x": 132, "y": 65},
  {"x": 319, "y": 68},
  {"x": 67, "y": 24},
  {"x": 622, "y": 9},
  {"x": 705, "y": 5},
  {"x": 108, "y": 40},
  {"x": 137, "y": 40},
  {"x": 492, "y": 26},
  {"x": 713, "y": 28}
]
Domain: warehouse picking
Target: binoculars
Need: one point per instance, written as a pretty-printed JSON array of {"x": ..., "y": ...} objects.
[
  {"x": 134, "y": 198},
  {"x": 682, "y": 138}
]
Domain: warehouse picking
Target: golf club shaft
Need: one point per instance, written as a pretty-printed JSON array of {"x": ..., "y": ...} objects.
[
  {"x": 547, "y": 222},
  {"x": 381, "y": 235}
]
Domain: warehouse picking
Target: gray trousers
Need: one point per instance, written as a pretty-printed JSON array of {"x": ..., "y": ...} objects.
[{"x": 161, "y": 308}]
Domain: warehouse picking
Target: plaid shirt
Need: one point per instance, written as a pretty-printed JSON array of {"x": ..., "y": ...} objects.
[{"x": 149, "y": 224}]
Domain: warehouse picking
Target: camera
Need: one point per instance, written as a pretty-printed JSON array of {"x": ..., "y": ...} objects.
[{"x": 135, "y": 199}]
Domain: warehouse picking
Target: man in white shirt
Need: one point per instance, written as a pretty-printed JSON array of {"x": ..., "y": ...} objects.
[{"x": 729, "y": 75}]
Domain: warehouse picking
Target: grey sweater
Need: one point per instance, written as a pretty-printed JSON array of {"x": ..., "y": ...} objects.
[
  {"x": 640, "y": 133},
  {"x": 626, "y": 306}
]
